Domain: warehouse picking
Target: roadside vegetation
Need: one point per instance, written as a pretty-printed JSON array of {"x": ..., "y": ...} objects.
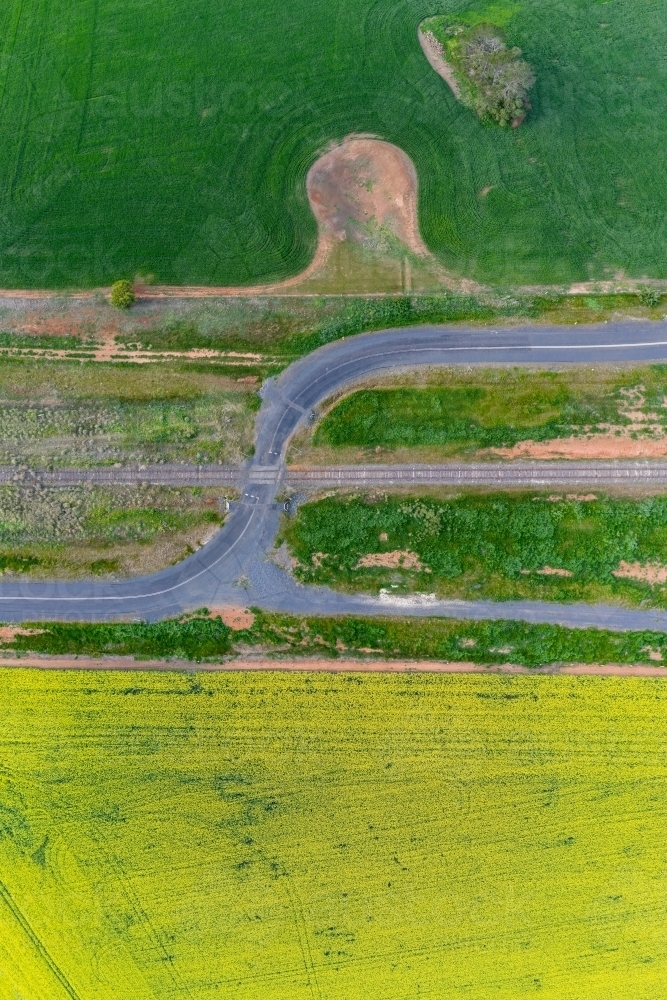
[
  {"x": 501, "y": 546},
  {"x": 88, "y": 531},
  {"x": 493, "y": 79},
  {"x": 250, "y": 338},
  {"x": 449, "y": 639},
  {"x": 463, "y": 412},
  {"x": 203, "y": 638},
  {"x": 288, "y": 327},
  {"x": 68, "y": 413},
  {"x": 122, "y": 294}
]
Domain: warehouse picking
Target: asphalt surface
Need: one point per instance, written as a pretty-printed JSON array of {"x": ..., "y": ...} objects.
[{"x": 233, "y": 568}]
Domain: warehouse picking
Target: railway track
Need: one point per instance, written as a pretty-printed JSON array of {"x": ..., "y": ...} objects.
[
  {"x": 154, "y": 475},
  {"x": 529, "y": 474},
  {"x": 233, "y": 567},
  {"x": 532, "y": 474}
]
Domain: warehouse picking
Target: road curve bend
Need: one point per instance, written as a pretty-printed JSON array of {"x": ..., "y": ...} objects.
[{"x": 232, "y": 568}]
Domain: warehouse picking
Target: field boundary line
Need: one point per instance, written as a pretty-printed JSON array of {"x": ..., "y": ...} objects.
[{"x": 341, "y": 666}]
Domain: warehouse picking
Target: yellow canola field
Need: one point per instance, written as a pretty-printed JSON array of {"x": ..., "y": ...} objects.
[{"x": 332, "y": 837}]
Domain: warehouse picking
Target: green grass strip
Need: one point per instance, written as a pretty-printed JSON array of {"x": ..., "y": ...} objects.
[
  {"x": 496, "y": 545},
  {"x": 199, "y": 638}
]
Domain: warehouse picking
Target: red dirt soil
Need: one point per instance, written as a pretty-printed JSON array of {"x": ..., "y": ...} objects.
[
  {"x": 333, "y": 666},
  {"x": 597, "y": 446}
]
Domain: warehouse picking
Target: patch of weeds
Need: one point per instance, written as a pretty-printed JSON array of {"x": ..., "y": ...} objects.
[
  {"x": 16, "y": 563},
  {"x": 496, "y": 546},
  {"x": 78, "y": 530},
  {"x": 649, "y": 296},
  {"x": 192, "y": 637},
  {"x": 100, "y": 567},
  {"x": 447, "y": 639},
  {"x": 466, "y": 411},
  {"x": 197, "y": 637}
]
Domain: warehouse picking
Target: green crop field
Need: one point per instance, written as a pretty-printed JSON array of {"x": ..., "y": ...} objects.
[
  {"x": 360, "y": 837},
  {"x": 460, "y": 411},
  {"x": 503, "y": 546},
  {"x": 174, "y": 139}
]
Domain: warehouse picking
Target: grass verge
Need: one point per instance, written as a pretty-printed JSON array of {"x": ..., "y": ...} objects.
[
  {"x": 200, "y": 638},
  {"x": 289, "y": 327},
  {"x": 458, "y": 412},
  {"x": 119, "y": 531},
  {"x": 498, "y": 546},
  {"x": 64, "y": 413},
  {"x": 257, "y": 336}
]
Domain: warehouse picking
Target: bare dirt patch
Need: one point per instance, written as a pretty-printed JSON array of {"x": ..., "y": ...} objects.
[
  {"x": 283, "y": 558},
  {"x": 399, "y": 559},
  {"x": 652, "y": 573},
  {"x": 435, "y": 53},
  {"x": 331, "y": 666},
  {"x": 236, "y": 618},
  {"x": 595, "y": 446},
  {"x": 553, "y": 571},
  {"x": 365, "y": 182},
  {"x": 653, "y": 654},
  {"x": 643, "y": 437},
  {"x": 557, "y": 498},
  {"x": 9, "y": 632}
]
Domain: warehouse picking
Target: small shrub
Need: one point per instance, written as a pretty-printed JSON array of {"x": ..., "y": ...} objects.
[
  {"x": 122, "y": 294},
  {"x": 649, "y": 296},
  {"x": 101, "y": 566}
]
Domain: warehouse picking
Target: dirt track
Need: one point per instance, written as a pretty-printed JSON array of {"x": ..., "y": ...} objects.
[
  {"x": 334, "y": 666},
  {"x": 435, "y": 54}
]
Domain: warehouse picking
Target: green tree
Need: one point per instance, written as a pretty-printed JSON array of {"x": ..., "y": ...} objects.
[
  {"x": 499, "y": 76},
  {"x": 122, "y": 294}
]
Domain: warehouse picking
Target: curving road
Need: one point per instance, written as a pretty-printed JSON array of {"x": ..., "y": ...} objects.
[{"x": 232, "y": 568}]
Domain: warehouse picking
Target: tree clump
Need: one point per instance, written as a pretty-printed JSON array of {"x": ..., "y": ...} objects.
[
  {"x": 491, "y": 77},
  {"x": 500, "y": 79},
  {"x": 122, "y": 294}
]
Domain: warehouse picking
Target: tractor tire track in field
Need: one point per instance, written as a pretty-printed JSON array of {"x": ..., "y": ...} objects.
[
  {"x": 233, "y": 566},
  {"x": 18, "y": 916}
]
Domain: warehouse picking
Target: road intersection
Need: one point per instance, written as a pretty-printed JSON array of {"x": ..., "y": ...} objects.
[{"x": 233, "y": 569}]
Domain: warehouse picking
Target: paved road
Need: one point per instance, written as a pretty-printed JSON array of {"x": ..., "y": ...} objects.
[{"x": 232, "y": 568}]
